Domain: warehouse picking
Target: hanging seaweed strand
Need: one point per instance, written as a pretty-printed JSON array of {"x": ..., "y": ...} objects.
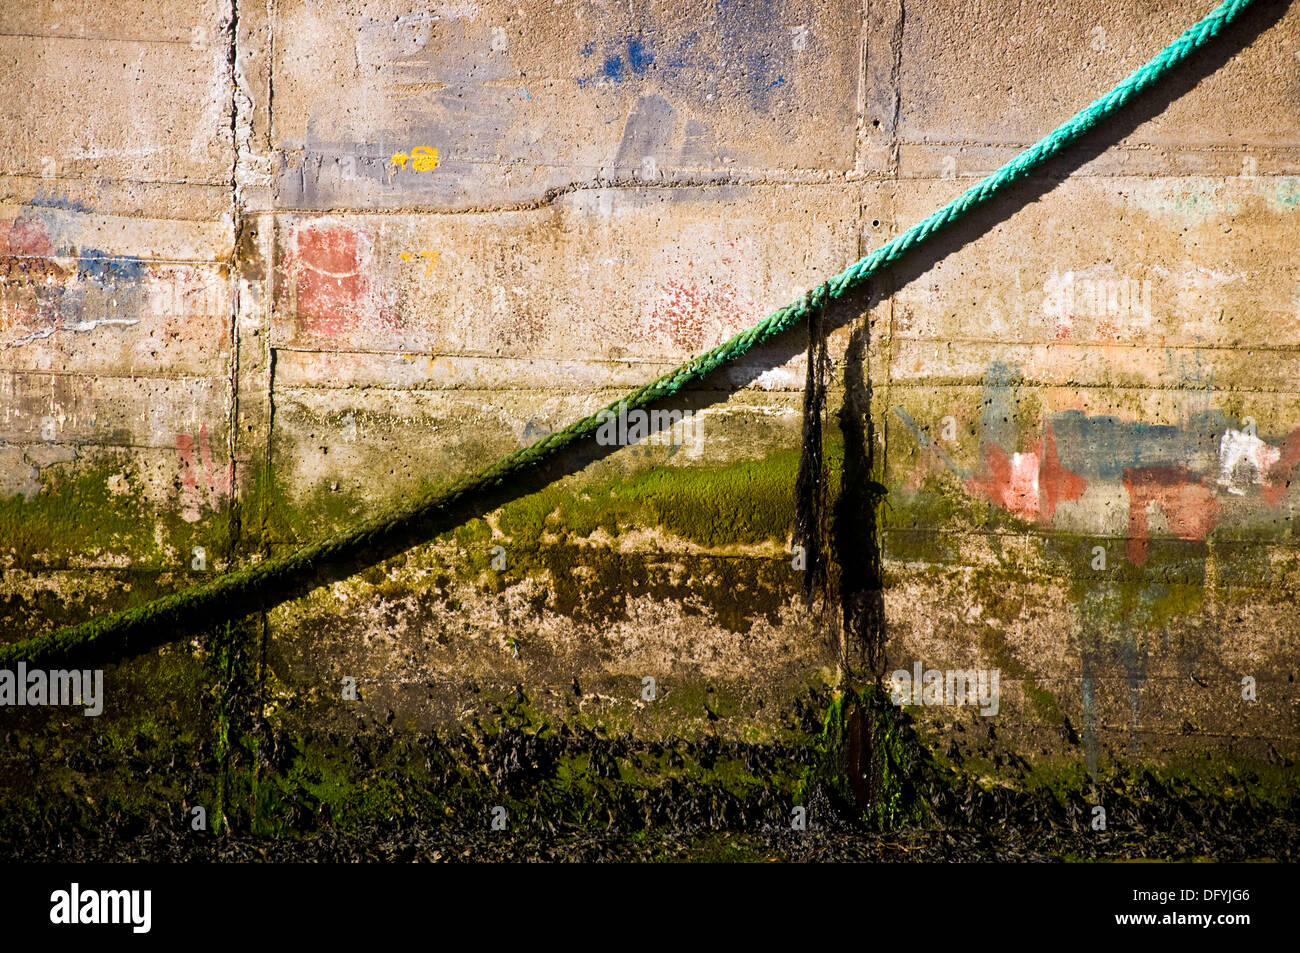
[{"x": 810, "y": 484}]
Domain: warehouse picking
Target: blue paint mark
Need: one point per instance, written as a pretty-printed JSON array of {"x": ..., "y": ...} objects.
[
  {"x": 744, "y": 52},
  {"x": 917, "y": 432},
  {"x": 46, "y": 207},
  {"x": 622, "y": 60},
  {"x": 925, "y": 443},
  {"x": 107, "y": 269},
  {"x": 1102, "y": 447},
  {"x": 1000, "y": 402},
  {"x": 638, "y": 57},
  {"x": 755, "y": 44},
  {"x": 51, "y": 200},
  {"x": 614, "y": 68}
]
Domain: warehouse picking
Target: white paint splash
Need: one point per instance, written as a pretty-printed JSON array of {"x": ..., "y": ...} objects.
[
  {"x": 74, "y": 326},
  {"x": 1238, "y": 447}
]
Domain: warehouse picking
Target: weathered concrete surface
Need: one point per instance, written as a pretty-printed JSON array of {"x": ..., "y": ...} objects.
[
  {"x": 296, "y": 260},
  {"x": 516, "y": 100}
]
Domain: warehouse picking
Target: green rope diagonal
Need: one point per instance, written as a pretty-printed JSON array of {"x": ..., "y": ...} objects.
[{"x": 245, "y": 590}]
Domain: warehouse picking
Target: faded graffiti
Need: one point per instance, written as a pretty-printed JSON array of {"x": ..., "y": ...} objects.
[
  {"x": 49, "y": 285},
  {"x": 201, "y": 482},
  {"x": 1028, "y": 484},
  {"x": 1188, "y": 506},
  {"x": 622, "y": 90},
  {"x": 747, "y": 52},
  {"x": 1180, "y": 481}
]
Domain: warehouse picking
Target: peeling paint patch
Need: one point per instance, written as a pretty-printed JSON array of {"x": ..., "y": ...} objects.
[
  {"x": 692, "y": 317},
  {"x": 50, "y": 283}
]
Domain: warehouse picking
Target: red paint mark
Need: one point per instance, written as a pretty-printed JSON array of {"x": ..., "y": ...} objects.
[
  {"x": 327, "y": 266},
  {"x": 329, "y": 284},
  {"x": 678, "y": 312},
  {"x": 1056, "y": 484},
  {"x": 1031, "y": 485},
  {"x": 1190, "y": 507},
  {"x": 1107, "y": 330},
  {"x": 692, "y": 317},
  {"x": 992, "y": 484},
  {"x": 1280, "y": 474},
  {"x": 185, "y": 447},
  {"x": 218, "y": 484},
  {"x": 27, "y": 235},
  {"x": 25, "y": 265},
  {"x": 205, "y": 449},
  {"x": 1011, "y": 482}
]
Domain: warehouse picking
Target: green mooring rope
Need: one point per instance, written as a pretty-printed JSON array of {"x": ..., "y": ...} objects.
[{"x": 255, "y": 587}]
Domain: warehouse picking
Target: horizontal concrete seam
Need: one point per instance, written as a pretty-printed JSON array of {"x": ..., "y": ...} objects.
[
  {"x": 1223, "y": 148},
  {"x": 204, "y": 379},
  {"x": 99, "y": 181},
  {"x": 93, "y": 39},
  {"x": 216, "y": 263},
  {"x": 579, "y": 360},
  {"x": 1040, "y": 533},
  {"x": 1099, "y": 345},
  {"x": 1038, "y": 384}
]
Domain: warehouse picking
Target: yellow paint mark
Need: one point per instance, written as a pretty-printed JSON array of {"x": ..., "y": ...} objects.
[
  {"x": 422, "y": 159},
  {"x": 429, "y": 258}
]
